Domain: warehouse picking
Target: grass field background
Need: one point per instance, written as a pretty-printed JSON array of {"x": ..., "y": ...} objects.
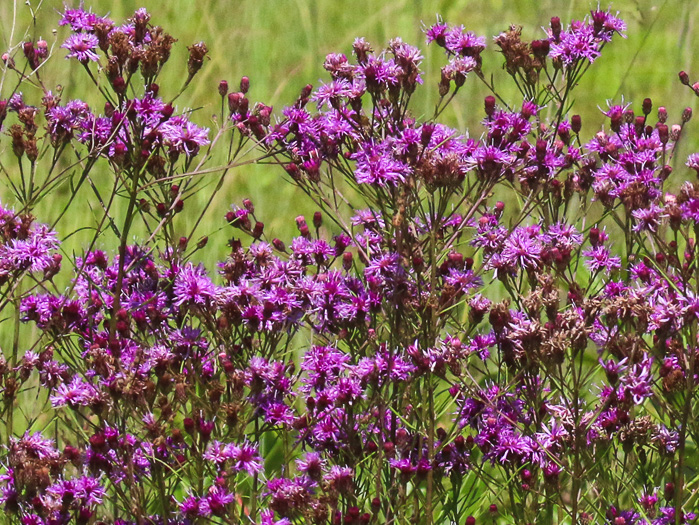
[{"x": 281, "y": 44}]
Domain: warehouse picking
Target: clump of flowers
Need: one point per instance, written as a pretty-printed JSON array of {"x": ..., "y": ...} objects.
[{"x": 419, "y": 352}]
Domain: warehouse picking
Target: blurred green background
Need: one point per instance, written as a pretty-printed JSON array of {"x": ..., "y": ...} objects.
[{"x": 281, "y": 44}]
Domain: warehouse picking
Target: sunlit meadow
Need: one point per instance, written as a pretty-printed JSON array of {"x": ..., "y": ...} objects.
[{"x": 313, "y": 262}]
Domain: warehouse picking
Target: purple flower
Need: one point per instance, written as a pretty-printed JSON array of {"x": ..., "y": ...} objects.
[
  {"x": 464, "y": 281},
  {"x": 76, "y": 393},
  {"x": 193, "y": 286},
  {"x": 87, "y": 489},
  {"x": 465, "y": 43},
  {"x": 377, "y": 166},
  {"x": 647, "y": 219},
  {"x": 80, "y": 20},
  {"x": 667, "y": 440},
  {"x": 81, "y": 46},
  {"x": 491, "y": 160},
  {"x": 605, "y": 25},
  {"x": 312, "y": 465},
  {"x": 246, "y": 457},
  {"x": 693, "y": 162},
  {"x": 668, "y": 517},
  {"x": 340, "y": 479},
  {"x": 35, "y": 445},
  {"x": 437, "y": 33},
  {"x": 33, "y": 253},
  {"x": 215, "y": 502},
  {"x": 330, "y": 94},
  {"x": 522, "y": 249},
  {"x": 600, "y": 259},
  {"x": 183, "y": 136},
  {"x": 577, "y": 43},
  {"x": 267, "y": 518}
]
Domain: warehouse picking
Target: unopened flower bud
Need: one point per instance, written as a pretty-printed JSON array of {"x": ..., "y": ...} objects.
[
  {"x": 444, "y": 85},
  {"x": 302, "y": 226},
  {"x": 279, "y": 245},
  {"x": 8, "y": 60},
  {"x": 317, "y": 220},
  {"x": 306, "y": 91},
  {"x": 426, "y": 134},
  {"x": 248, "y": 205},
  {"x": 556, "y": 27},
  {"x": 258, "y": 229},
  {"x": 647, "y": 106},
  {"x": 638, "y": 125},
  {"x": 418, "y": 263},
  {"x": 234, "y": 101},
  {"x": 541, "y": 48},
  {"x": 499, "y": 208},
  {"x": 663, "y": 133},
  {"x": 669, "y": 491},
  {"x": 675, "y": 131},
  {"x": 244, "y": 85},
  {"x": 662, "y": 114},
  {"x": 470, "y": 520},
  {"x": 202, "y": 242},
  {"x": 615, "y": 122},
  {"x": 347, "y": 261},
  {"x": 684, "y": 78},
  {"x": 489, "y": 105},
  {"x": 119, "y": 85},
  {"x": 223, "y": 88},
  {"x": 576, "y": 123},
  {"x": 686, "y": 115},
  {"x": 179, "y": 205}
]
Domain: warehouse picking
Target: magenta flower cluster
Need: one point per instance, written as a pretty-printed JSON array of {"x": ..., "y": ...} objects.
[{"x": 420, "y": 352}]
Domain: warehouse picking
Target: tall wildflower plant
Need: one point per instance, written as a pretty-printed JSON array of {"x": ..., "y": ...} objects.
[{"x": 420, "y": 353}]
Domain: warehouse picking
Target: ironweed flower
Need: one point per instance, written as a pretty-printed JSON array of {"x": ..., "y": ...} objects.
[
  {"x": 415, "y": 338},
  {"x": 82, "y": 47}
]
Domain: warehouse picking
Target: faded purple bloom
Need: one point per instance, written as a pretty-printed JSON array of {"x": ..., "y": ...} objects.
[
  {"x": 693, "y": 162},
  {"x": 340, "y": 479},
  {"x": 35, "y": 445},
  {"x": 312, "y": 465},
  {"x": 647, "y": 219}
]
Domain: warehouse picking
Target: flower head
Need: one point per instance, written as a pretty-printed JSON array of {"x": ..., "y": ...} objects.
[{"x": 82, "y": 46}]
